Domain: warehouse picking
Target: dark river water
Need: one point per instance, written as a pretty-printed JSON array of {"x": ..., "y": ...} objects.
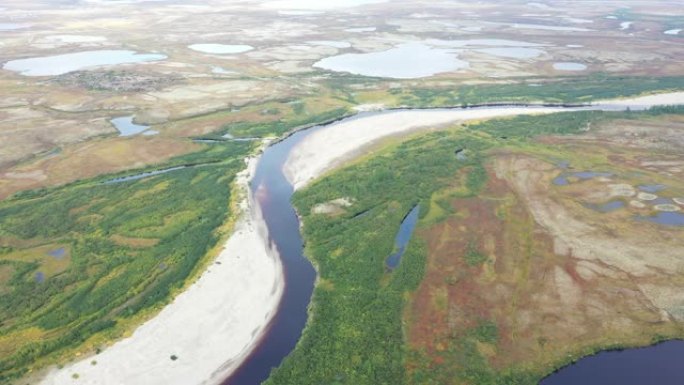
[
  {"x": 273, "y": 193},
  {"x": 661, "y": 364}
]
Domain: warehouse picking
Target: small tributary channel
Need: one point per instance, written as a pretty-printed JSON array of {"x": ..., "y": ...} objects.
[{"x": 273, "y": 193}]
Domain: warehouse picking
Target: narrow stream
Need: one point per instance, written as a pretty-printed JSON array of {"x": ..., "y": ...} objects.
[{"x": 273, "y": 193}]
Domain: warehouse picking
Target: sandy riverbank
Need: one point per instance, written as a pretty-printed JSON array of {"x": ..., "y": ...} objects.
[
  {"x": 645, "y": 102},
  {"x": 211, "y": 327},
  {"x": 326, "y": 149}
]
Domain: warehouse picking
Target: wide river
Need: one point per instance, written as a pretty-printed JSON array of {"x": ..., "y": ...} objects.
[{"x": 274, "y": 191}]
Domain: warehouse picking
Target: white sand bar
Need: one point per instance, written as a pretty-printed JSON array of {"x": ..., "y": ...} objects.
[
  {"x": 211, "y": 327},
  {"x": 645, "y": 102},
  {"x": 324, "y": 150}
]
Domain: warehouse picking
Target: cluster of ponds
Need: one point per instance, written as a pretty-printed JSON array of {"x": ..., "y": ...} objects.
[
  {"x": 58, "y": 254},
  {"x": 668, "y": 218},
  {"x": 430, "y": 57},
  {"x": 562, "y": 180}
]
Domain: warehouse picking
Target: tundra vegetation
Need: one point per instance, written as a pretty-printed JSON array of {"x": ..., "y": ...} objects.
[
  {"x": 475, "y": 295},
  {"x": 82, "y": 262},
  {"x": 122, "y": 250}
]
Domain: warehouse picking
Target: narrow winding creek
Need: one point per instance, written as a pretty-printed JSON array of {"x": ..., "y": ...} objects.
[{"x": 273, "y": 193}]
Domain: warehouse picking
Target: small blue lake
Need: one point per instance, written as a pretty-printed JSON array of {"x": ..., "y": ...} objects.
[
  {"x": 57, "y": 253},
  {"x": 665, "y": 218},
  {"x": 658, "y": 365},
  {"x": 652, "y": 188},
  {"x": 403, "y": 237},
  {"x": 126, "y": 127},
  {"x": 562, "y": 180},
  {"x": 607, "y": 207}
]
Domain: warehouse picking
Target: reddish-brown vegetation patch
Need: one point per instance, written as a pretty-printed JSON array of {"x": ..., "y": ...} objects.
[{"x": 545, "y": 306}]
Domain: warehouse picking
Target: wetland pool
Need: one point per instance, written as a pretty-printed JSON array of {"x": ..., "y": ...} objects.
[
  {"x": 666, "y": 218},
  {"x": 569, "y": 66},
  {"x": 405, "y": 61},
  {"x": 126, "y": 127},
  {"x": 562, "y": 180},
  {"x": 408, "y": 224},
  {"x": 13, "y": 26},
  {"x": 62, "y": 64}
]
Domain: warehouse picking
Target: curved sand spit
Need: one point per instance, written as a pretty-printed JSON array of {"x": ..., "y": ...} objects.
[
  {"x": 211, "y": 327},
  {"x": 214, "y": 324},
  {"x": 325, "y": 149}
]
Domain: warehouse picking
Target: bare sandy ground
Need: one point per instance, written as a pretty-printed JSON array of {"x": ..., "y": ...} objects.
[
  {"x": 325, "y": 149},
  {"x": 645, "y": 102},
  {"x": 210, "y": 328}
]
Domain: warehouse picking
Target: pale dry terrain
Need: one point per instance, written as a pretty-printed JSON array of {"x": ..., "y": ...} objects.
[
  {"x": 560, "y": 275},
  {"x": 43, "y": 117}
]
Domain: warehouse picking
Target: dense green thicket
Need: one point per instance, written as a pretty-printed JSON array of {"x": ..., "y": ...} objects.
[
  {"x": 356, "y": 333},
  {"x": 175, "y": 215},
  {"x": 281, "y": 126},
  {"x": 582, "y": 90},
  {"x": 563, "y": 123}
]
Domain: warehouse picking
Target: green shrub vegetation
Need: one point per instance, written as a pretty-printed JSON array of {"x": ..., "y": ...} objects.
[
  {"x": 282, "y": 126},
  {"x": 583, "y": 89},
  {"x": 355, "y": 334},
  {"x": 129, "y": 246}
]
